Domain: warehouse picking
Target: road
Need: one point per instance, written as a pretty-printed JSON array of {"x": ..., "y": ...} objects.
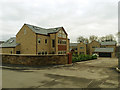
[{"x": 98, "y": 73}]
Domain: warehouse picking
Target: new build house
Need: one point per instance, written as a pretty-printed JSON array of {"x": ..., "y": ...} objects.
[
  {"x": 79, "y": 48},
  {"x": 36, "y": 40},
  {"x": 103, "y": 49}
]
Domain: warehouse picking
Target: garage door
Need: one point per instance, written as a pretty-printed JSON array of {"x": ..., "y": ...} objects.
[{"x": 104, "y": 54}]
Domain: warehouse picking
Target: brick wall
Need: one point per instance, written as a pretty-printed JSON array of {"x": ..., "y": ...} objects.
[{"x": 34, "y": 59}]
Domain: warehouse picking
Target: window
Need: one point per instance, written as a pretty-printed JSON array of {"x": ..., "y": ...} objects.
[
  {"x": 39, "y": 53},
  {"x": 64, "y": 52},
  {"x": 62, "y": 41},
  {"x": 38, "y": 40},
  {"x": 45, "y": 52},
  {"x": 58, "y": 41},
  {"x": 11, "y": 41},
  {"x": 42, "y": 53},
  {"x": 17, "y": 52},
  {"x": 53, "y": 52},
  {"x": 24, "y": 31},
  {"x": 103, "y": 47},
  {"x": 81, "y": 47},
  {"x": 53, "y": 43},
  {"x": 62, "y": 34},
  {"x": 81, "y": 52},
  {"x": 45, "y": 41}
]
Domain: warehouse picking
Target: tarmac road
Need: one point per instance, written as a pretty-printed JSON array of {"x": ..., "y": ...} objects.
[{"x": 99, "y": 73}]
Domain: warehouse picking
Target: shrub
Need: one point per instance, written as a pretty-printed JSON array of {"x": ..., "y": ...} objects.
[{"x": 82, "y": 57}]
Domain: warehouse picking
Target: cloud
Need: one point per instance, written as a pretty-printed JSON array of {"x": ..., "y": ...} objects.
[{"x": 78, "y": 17}]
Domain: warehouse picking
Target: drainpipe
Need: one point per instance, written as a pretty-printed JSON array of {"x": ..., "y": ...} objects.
[
  {"x": 118, "y": 60},
  {"x": 119, "y": 35},
  {"x": 36, "y": 43}
]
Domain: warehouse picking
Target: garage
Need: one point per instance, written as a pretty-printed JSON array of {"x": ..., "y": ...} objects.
[{"x": 103, "y": 54}]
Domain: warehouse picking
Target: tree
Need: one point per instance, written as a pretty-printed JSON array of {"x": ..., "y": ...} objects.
[
  {"x": 93, "y": 37},
  {"x": 109, "y": 37},
  {"x": 102, "y": 39},
  {"x": 80, "y": 39},
  {"x": 86, "y": 40}
]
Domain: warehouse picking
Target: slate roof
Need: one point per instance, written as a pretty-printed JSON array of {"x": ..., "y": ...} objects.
[
  {"x": 73, "y": 44},
  {"x": 10, "y": 43},
  {"x": 104, "y": 49},
  {"x": 43, "y": 31},
  {"x": 108, "y": 43}
]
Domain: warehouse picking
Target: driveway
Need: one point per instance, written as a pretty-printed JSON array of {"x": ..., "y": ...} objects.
[{"x": 99, "y": 73}]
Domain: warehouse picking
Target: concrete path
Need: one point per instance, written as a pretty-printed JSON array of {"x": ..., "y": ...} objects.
[{"x": 98, "y": 73}]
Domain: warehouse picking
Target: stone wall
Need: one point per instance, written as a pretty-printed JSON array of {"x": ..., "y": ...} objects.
[{"x": 31, "y": 60}]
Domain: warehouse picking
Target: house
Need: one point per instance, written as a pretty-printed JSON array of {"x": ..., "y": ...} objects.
[
  {"x": 107, "y": 49},
  {"x": 36, "y": 40},
  {"x": 92, "y": 45},
  {"x": 74, "y": 48},
  {"x": 78, "y": 48},
  {"x": 82, "y": 48},
  {"x": 9, "y": 46},
  {"x": 103, "y": 49}
]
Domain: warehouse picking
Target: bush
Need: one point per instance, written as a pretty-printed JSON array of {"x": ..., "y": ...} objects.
[{"x": 82, "y": 57}]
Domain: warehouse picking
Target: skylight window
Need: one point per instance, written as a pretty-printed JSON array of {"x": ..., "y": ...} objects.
[
  {"x": 11, "y": 41},
  {"x": 37, "y": 28}
]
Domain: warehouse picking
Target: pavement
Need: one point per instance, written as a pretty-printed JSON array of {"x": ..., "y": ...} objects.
[{"x": 99, "y": 73}]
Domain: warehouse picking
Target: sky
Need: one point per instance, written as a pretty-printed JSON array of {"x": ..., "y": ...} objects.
[{"x": 78, "y": 17}]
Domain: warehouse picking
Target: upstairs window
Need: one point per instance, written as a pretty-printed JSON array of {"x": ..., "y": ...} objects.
[
  {"x": 53, "y": 43},
  {"x": 38, "y": 40},
  {"x": 62, "y": 34},
  {"x": 75, "y": 48},
  {"x": 45, "y": 41},
  {"x": 81, "y": 47},
  {"x": 11, "y": 52}
]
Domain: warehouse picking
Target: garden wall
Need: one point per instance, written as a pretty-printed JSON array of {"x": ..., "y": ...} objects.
[{"x": 34, "y": 59}]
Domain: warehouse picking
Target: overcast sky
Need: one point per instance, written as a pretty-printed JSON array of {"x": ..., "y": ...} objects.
[{"x": 78, "y": 17}]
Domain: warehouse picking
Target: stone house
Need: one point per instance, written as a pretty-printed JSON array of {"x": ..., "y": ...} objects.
[
  {"x": 36, "y": 40},
  {"x": 91, "y": 47},
  {"x": 103, "y": 49},
  {"x": 9, "y": 46},
  {"x": 107, "y": 49},
  {"x": 74, "y": 48},
  {"x": 78, "y": 48},
  {"x": 82, "y": 48}
]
